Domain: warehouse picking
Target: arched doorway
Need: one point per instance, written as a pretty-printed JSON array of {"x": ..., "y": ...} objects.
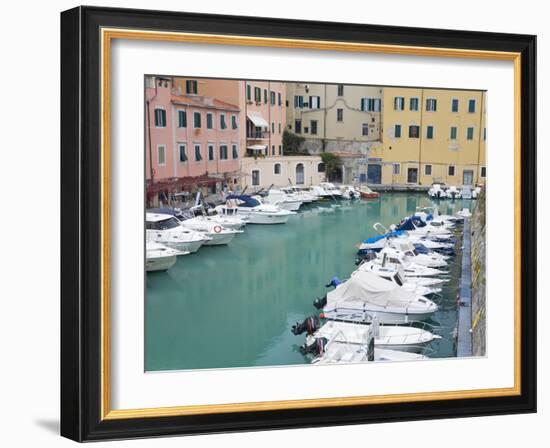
[{"x": 300, "y": 174}]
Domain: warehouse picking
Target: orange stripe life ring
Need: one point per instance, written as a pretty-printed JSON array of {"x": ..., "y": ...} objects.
[{"x": 217, "y": 229}]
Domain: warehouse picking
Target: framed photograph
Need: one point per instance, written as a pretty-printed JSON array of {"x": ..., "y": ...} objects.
[{"x": 273, "y": 223}]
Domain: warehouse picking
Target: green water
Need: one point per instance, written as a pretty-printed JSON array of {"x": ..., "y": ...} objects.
[{"x": 233, "y": 306}]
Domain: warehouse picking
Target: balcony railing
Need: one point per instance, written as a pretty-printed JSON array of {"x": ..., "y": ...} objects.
[{"x": 257, "y": 135}]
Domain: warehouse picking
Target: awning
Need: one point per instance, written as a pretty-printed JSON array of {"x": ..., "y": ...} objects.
[
  {"x": 257, "y": 119},
  {"x": 257, "y": 147}
]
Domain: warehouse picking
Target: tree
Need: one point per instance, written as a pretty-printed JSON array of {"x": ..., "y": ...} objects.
[
  {"x": 292, "y": 143},
  {"x": 332, "y": 163}
]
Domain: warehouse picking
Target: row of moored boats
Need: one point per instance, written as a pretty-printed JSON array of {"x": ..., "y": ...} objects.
[
  {"x": 441, "y": 191},
  {"x": 172, "y": 233},
  {"x": 380, "y": 313}
]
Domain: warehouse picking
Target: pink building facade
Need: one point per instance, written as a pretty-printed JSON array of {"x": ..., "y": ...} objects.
[{"x": 189, "y": 136}]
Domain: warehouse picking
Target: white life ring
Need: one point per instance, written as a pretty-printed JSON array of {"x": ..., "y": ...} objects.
[{"x": 217, "y": 229}]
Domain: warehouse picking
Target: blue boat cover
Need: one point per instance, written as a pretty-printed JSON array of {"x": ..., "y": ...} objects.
[
  {"x": 374, "y": 239},
  {"x": 248, "y": 200}
]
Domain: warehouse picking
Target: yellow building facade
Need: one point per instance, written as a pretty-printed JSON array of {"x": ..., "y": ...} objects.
[{"x": 431, "y": 135}]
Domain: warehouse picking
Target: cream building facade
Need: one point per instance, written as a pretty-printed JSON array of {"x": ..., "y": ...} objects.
[{"x": 431, "y": 135}]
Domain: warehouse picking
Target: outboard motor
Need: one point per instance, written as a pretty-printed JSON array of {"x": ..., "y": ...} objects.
[
  {"x": 334, "y": 282},
  {"x": 320, "y": 302},
  {"x": 310, "y": 324},
  {"x": 316, "y": 348},
  {"x": 366, "y": 255}
]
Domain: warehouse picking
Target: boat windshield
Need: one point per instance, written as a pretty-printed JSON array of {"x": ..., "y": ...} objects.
[
  {"x": 398, "y": 279},
  {"x": 165, "y": 224}
]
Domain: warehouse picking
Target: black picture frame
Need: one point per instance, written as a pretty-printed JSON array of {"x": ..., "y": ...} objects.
[{"x": 81, "y": 224}]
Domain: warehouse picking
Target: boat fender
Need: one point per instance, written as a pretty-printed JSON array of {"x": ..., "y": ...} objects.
[
  {"x": 320, "y": 302},
  {"x": 217, "y": 229}
]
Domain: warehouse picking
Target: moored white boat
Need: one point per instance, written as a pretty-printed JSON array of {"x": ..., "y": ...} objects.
[
  {"x": 160, "y": 257},
  {"x": 218, "y": 234},
  {"x": 166, "y": 230},
  {"x": 256, "y": 212}
]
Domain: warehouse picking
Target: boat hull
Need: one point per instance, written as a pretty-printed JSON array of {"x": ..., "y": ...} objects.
[
  {"x": 160, "y": 263},
  {"x": 387, "y": 318},
  {"x": 266, "y": 219},
  {"x": 220, "y": 239}
]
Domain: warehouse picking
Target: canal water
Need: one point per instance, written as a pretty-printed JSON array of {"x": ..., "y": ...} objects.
[{"x": 234, "y": 305}]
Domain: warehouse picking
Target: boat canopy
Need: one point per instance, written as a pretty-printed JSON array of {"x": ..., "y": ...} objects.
[
  {"x": 374, "y": 239},
  {"x": 365, "y": 286},
  {"x": 248, "y": 201},
  {"x": 410, "y": 223}
]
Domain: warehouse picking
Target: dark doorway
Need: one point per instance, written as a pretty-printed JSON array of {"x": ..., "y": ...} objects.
[
  {"x": 412, "y": 175},
  {"x": 374, "y": 173}
]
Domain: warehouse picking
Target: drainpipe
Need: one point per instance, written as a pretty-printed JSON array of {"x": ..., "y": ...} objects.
[{"x": 151, "y": 170}]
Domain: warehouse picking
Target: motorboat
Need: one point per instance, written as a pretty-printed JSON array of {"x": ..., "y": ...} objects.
[
  {"x": 416, "y": 226},
  {"x": 466, "y": 192},
  {"x": 332, "y": 190},
  {"x": 256, "y": 212},
  {"x": 349, "y": 192},
  {"x": 410, "y": 269},
  {"x": 335, "y": 352},
  {"x": 437, "y": 191},
  {"x": 199, "y": 212},
  {"x": 303, "y": 193},
  {"x": 366, "y": 193},
  {"x": 281, "y": 199},
  {"x": 453, "y": 192},
  {"x": 159, "y": 257},
  {"x": 429, "y": 259},
  {"x": 464, "y": 213},
  {"x": 428, "y": 214},
  {"x": 476, "y": 192},
  {"x": 166, "y": 229},
  {"x": 218, "y": 234},
  {"x": 392, "y": 337},
  {"x": 365, "y": 295}
]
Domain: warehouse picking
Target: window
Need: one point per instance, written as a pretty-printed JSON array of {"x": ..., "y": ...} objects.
[
  {"x": 470, "y": 133},
  {"x": 429, "y": 132},
  {"x": 223, "y": 152},
  {"x": 314, "y": 102},
  {"x": 235, "y": 152},
  {"x": 370, "y": 104},
  {"x": 255, "y": 177},
  {"x": 191, "y": 87},
  {"x": 340, "y": 90},
  {"x": 306, "y": 129},
  {"x": 471, "y": 106},
  {"x": 277, "y": 168},
  {"x": 198, "y": 155},
  {"x": 451, "y": 171},
  {"x": 414, "y": 131},
  {"x": 223, "y": 124},
  {"x": 428, "y": 170},
  {"x": 339, "y": 114},
  {"x": 265, "y": 96},
  {"x": 298, "y": 126},
  {"x": 273, "y": 127},
  {"x": 249, "y": 92},
  {"x": 210, "y": 152},
  {"x": 272, "y": 150},
  {"x": 234, "y": 122},
  {"x": 397, "y": 131},
  {"x": 279, "y": 99},
  {"x": 209, "y": 120},
  {"x": 272, "y": 98},
  {"x": 483, "y": 172},
  {"x": 182, "y": 119},
  {"x": 197, "y": 119},
  {"x": 396, "y": 169},
  {"x": 484, "y": 134},
  {"x": 398, "y": 103},
  {"x": 183, "y": 153},
  {"x": 454, "y": 105},
  {"x": 161, "y": 154},
  {"x": 279, "y": 128},
  {"x": 160, "y": 118},
  {"x": 257, "y": 94},
  {"x": 298, "y": 101},
  {"x": 280, "y": 150},
  {"x": 321, "y": 167},
  {"x": 413, "y": 104},
  {"x": 313, "y": 127},
  {"x": 365, "y": 129},
  {"x": 453, "y": 133},
  {"x": 431, "y": 105}
]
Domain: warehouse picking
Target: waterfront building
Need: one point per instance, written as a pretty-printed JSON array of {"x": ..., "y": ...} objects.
[
  {"x": 261, "y": 124},
  {"x": 342, "y": 119},
  {"x": 430, "y": 135},
  {"x": 191, "y": 140}
]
